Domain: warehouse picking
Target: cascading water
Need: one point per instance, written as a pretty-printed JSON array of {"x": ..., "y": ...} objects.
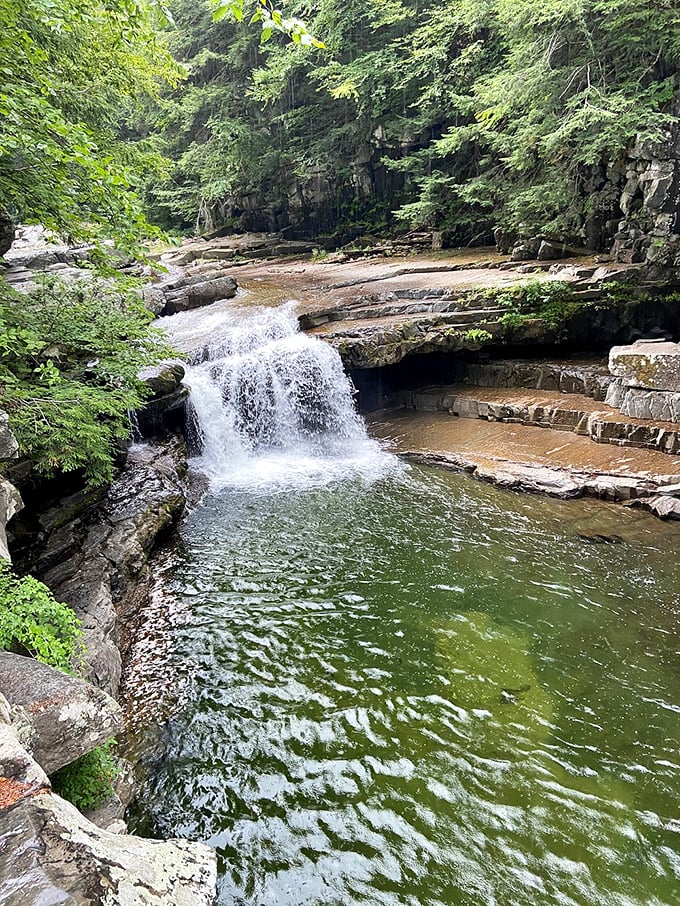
[{"x": 273, "y": 407}]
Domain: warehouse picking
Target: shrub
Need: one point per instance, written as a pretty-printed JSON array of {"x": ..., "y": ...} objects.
[
  {"x": 550, "y": 300},
  {"x": 69, "y": 359},
  {"x": 88, "y": 782},
  {"x": 477, "y": 335},
  {"x": 32, "y": 620}
]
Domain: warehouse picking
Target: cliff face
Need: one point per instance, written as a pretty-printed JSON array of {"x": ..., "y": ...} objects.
[{"x": 650, "y": 203}]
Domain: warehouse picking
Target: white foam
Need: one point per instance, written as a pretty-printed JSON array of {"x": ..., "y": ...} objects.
[{"x": 272, "y": 408}]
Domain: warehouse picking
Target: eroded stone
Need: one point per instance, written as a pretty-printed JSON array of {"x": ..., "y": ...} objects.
[
  {"x": 647, "y": 364},
  {"x": 59, "y": 717}
]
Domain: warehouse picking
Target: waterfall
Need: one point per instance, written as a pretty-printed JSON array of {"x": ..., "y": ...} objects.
[{"x": 270, "y": 406}]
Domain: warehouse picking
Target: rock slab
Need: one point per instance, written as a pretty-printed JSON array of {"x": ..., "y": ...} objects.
[
  {"x": 58, "y": 717},
  {"x": 51, "y": 854},
  {"x": 647, "y": 364}
]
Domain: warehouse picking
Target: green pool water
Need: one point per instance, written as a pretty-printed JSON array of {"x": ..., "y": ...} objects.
[{"x": 420, "y": 690}]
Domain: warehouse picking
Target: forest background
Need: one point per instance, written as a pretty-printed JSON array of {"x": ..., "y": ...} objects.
[{"x": 458, "y": 115}]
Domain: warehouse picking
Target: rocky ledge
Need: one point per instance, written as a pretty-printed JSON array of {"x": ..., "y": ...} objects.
[
  {"x": 92, "y": 549},
  {"x": 94, "y": 554},
  {"x": 646, "y": 380},
  {"x": 51, "y": 853}
]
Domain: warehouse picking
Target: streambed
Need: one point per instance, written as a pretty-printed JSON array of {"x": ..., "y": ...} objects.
[{"x": 418, "y": 689}]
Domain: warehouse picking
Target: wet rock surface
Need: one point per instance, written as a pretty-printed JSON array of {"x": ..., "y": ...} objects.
[
  {"x": 96, "y": 561},
  {"x": 545, "y": 409},
  {"x": 58, "y": 717}
]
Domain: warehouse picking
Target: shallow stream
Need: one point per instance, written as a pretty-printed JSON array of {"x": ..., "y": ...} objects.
[{"x": 400, "y": 686}]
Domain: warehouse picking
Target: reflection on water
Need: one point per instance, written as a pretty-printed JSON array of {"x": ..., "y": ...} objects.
[{"x": 420, "y": 690}]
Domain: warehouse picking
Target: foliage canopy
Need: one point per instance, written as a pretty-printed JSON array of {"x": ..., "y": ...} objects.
[
  {"x": 72, "y": 70},
  {"x": 457, "y": 114}
]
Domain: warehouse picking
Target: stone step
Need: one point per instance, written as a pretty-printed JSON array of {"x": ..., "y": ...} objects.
[
  {"x": 562, "y": 412},
  {"x": 358, "y": 327},
  {"x": 400, "y": 307},
  {"x": 520, "y": 458}
]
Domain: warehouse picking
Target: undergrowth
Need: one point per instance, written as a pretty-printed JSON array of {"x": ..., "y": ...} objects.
[
  {"x": 550, "y": 301},
  {"x": 33, "y": 622},
  {"x": 88, "y": 782}
]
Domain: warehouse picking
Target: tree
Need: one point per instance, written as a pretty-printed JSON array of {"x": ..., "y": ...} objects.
[
  {"x": 71, "y": 72},
  {"x": 457, "y": 114},
  {"x": 69, "y": 362}
]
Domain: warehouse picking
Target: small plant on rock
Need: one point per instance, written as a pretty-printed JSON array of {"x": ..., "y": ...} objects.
[
  {"x": 33, "y": 622},
  {"x": 88, "y": 782},
  {"x": 477, "y": 335}
]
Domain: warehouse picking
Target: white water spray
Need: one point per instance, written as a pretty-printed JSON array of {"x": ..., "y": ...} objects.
[{"x": 272, "y": 408}]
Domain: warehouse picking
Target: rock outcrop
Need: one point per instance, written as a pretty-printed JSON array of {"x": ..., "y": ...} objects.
[
  {"x": 51, "y": 853},
  {"x": 165, "y": 409},
  {"x": 58, "y": 717},
  {"x": 95, "y": 556},
  {"x": 10, "y": 498},
  {"x": 650, "y": 202},
  {"x": 647, "y": 380}
]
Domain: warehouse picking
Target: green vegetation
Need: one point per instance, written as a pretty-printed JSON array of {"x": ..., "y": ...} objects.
[
  {"x": 460, "y": 115},
  {"x": 552, "y": 301},
  {"x": 69, "y": 360},
  {"x": 88, "y": 782},
  {"x": 463, "y": 115},
  {"x": 34, "y": 623},
  {"x": 477, "y": 335},
  {"x": 72, "y": 72}
]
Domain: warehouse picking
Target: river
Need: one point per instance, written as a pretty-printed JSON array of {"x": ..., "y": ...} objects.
[{"x": 364, "y": 683}]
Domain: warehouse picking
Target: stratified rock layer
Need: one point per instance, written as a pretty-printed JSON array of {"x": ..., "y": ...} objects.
[
  {"x": 97, "y": 562},
  {"x": 647, "y": 365}
]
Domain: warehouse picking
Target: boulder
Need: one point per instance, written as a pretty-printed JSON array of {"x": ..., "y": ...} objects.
[
  {"x": 525, "y": 250},
  {"x": 184, "y": 298},
  {"x": 655, "y": 405},
  {"x": 9, "y": 448},
  {"x": 50, "y": 853},
  {"x": 10, "y": 504},
  {"x": 58, "y": 856},
  {"x": 647, "y": 364},
  {"x": 662, "y": 505},
  {"x": 20, "y": 774},
  {"x": 58, "y": 717},
  {"x": 550, "y": 251},
  {"x": 219, "y": 254},
  {"x": 162, "y": 379}
]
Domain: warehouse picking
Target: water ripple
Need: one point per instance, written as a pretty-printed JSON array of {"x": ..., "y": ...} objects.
[{"x": 420, "y": 692}]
